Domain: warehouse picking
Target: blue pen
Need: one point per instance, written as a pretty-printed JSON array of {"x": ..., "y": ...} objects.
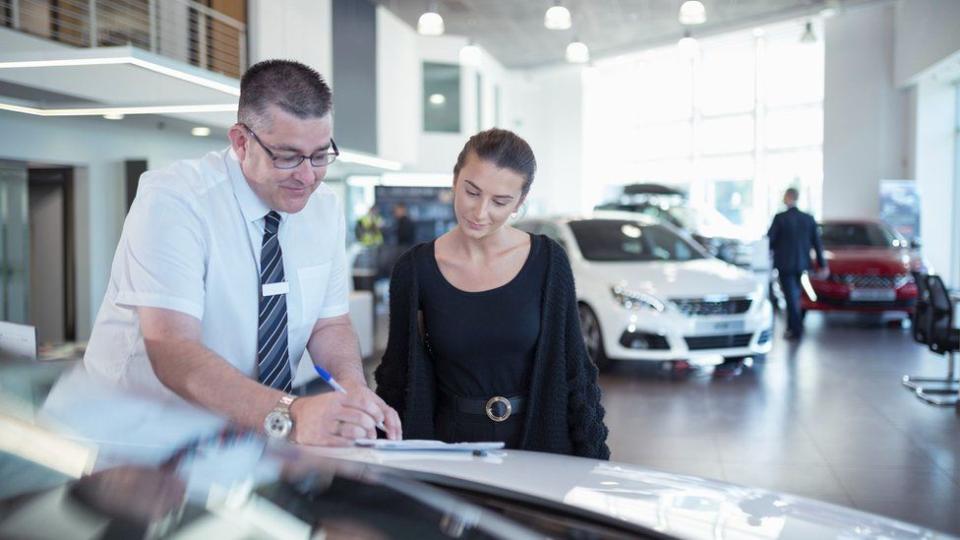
[{"x": 328, "y": 378}]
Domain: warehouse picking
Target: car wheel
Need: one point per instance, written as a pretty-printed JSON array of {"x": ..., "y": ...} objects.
[{"x": 592, "y": 337}]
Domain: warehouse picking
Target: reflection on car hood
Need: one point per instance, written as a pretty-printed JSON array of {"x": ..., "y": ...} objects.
[
  {"x": 880, "y": 261},
  {"x": 689, "y": 279},
  {"x": 676, "y": 505}
]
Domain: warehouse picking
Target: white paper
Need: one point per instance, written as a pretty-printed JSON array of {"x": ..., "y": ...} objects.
[
  {"x": 426, "y": 444},
  {"x": 17, "y": 341},
  {"x": 273, "y": 289}
]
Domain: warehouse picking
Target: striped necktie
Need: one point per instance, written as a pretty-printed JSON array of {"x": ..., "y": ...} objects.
[{"x": 272, "y": 355}]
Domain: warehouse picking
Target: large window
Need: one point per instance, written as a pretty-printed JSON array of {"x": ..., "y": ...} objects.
[
  {"x": 735, "y": 123},
  {"x": 441, "y": 97}
]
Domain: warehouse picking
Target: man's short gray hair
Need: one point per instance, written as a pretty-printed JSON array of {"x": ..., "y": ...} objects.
[{"x": 291, "y": 86}]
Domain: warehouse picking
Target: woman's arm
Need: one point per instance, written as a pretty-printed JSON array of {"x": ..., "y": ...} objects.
[
  {"x": 584, "y": 411},
  {"x": 391, "y": 374}
]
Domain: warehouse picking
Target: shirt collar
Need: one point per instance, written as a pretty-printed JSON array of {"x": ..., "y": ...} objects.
[{"x": 251, "y": 206}]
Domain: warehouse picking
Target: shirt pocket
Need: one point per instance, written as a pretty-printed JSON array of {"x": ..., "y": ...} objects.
[{"x": 313, "y": 289}]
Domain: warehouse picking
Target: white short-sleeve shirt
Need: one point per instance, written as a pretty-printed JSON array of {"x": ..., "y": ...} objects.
[{"x": 191, "y": 243}]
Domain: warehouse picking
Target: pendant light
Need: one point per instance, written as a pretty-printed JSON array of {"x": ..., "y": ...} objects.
[
  {"x": 557, "y": 17},
  {"x": 430, "y": 23}
]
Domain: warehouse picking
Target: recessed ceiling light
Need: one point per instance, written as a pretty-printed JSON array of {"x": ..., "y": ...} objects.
[
  {"x": 578, "y": 52},
  {"x": 113, "y": 116},
  {"x": 200, "y": 131},
  {"x": 430, "y": 23},
  {"x": 688, "y": 44},
  {"x": 437, "y": 99},
  {"x": 692, "y": 12},
  {"x": 557, "y": 17}
]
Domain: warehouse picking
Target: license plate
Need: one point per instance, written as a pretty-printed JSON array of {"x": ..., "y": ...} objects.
[
  {"x": 873, "y": 295},
  {"x": 720, "y": 327}
]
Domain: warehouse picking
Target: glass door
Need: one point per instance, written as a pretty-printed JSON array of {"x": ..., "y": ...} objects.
[{"x": 14, "y": 245}]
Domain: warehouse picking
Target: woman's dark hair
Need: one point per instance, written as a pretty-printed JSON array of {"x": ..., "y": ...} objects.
[
  {"x": 291, "y": 86},
  {"x": 503, "y": 148}
]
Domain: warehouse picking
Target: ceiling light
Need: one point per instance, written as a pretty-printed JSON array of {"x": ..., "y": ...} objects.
[
  {"x": 437, "y": 99},
  {"x": 577, "y": 52},
  {"x": 430, "y": 23},
  {"x": 470, "y": 54},
  {"x": 557, "y": 17},
  {"x": 358, "y": 158},
  {"x": 688, "y": 45},
  {"x": 759, "y": 32},
  {"x": 113, "y": 116},
  {"x": 808, "y": 35},
  {"x": 200, "y": 131},
  {"x": 101, "y": 111},
  {"x": 692, "y": 12},
  {"x": 129, "y": 58}
]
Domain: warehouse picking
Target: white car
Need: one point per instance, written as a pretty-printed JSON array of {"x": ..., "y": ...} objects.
[{"x": 647, "y": 291}]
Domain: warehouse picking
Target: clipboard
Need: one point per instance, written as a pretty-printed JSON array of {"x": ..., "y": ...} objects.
[{"x": 427, "y": 444}]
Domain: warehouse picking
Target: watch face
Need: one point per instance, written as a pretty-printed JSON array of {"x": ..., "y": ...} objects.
[{"x": 277, "y": 424}]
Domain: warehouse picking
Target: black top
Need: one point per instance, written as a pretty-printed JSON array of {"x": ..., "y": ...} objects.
[
  {"x": 405, "y": 231},
  {"x": 562, "y": 412},
  {"x": 482, "y": 343},
  {"x": 792, "y": 234}
]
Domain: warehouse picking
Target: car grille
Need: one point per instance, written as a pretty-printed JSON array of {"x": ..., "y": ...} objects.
[
  {"x": 699, "y": 307},
  {"x": 860, "y": 281},
  {"x": 718, "y": 342}
]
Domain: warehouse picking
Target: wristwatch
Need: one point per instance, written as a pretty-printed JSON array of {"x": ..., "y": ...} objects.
[{"x": 278, "y": 422}]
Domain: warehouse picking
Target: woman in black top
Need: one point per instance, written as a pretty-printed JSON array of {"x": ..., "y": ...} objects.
[{"x": 485, "y": 339}]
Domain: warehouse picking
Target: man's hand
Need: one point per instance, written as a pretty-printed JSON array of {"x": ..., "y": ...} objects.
[
  {"x": 822, "y": 273},
  {"x": 337, "y": 419},
  {"x": 389, "y": 417}
]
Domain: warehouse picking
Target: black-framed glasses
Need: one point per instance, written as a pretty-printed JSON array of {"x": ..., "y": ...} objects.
[{"x": 320, "y": 159}]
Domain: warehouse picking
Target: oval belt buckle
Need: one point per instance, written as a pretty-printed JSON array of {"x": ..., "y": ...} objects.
[{"x": 493, "y": 401}]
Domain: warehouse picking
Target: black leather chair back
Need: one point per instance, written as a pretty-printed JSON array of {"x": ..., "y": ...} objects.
[
  {"x": 943, "y": 336},
  {"x": 923, "y": 311}
]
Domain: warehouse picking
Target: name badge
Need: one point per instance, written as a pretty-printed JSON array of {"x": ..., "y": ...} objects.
[{"x": 272, "y": 289}]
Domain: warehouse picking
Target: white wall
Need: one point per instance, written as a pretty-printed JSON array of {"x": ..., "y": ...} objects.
[
  {"x": 399, "y": 84},
  {"x": 935, "y": 175},
  {"x": 865, "y": 116},
  {"x": 927, "y": 31},
  {"x": 548, "y": 113},
  {"x": 293, "y": 30},
  {"x": 97, "y": 148},
  {"x": 400, "y": 56}
]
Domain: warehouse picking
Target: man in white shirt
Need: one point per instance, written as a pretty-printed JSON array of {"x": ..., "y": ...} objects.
[{"x": 227, "y": 268}]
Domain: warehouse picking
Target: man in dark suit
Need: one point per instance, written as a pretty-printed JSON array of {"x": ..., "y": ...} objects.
[{"x": 792, "y": 234}]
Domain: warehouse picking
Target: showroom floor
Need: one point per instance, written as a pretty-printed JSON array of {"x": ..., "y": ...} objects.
[{"x": 826, "y": 418}]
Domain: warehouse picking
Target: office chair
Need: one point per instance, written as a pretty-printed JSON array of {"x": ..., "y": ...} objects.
[{"x": 943, "y": 338}]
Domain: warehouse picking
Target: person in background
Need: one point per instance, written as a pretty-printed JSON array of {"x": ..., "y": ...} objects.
[
  {"x": 792, "y": 235},
  {"x": 484, "y": 341},
  {"x": 369, "y": 229},
  {"x": 228, "y": 267},
  {"x": 404, "y": 226}
]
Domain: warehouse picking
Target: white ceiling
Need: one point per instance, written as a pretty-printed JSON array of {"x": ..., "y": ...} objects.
[{"x": 513, "y": 32}]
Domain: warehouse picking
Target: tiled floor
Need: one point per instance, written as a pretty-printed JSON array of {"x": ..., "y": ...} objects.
[{"x": 826, "y": 418}]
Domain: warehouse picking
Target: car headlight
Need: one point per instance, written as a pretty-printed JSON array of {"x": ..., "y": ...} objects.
[{"x": 636, "y": 300}]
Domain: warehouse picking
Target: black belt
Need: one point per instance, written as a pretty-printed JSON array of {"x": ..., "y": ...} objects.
[{"x": 496, "y": 408}]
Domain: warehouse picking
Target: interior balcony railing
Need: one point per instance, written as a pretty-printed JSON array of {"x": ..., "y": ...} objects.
[{"x": 210, "y": 34}]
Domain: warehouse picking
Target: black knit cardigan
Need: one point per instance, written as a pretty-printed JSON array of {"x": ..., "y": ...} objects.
[{"x": 563, "y": 410}]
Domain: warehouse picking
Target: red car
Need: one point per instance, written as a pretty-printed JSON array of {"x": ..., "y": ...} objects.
[{"x": 870, "y": 265}]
